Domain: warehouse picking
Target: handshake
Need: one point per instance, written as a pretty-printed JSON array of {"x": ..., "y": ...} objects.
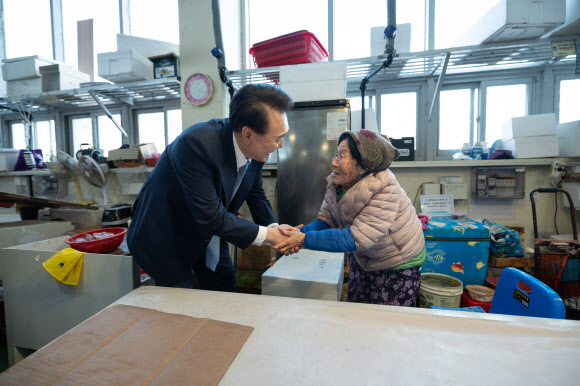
[{"x": 286, "y": 239}]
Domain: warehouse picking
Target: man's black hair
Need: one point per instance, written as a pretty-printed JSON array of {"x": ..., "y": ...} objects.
[{"x": 251, "y": 104}]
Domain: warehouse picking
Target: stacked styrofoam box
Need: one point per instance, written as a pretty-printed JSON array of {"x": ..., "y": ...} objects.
[
  {"x": 314, "y": 81},
  {"x": 124, "y": 66},
  {"x": 22, "y": 75},
  {"x": 306, "y": 274},
  {"x": 531, "y": 136},
  {"x": 8, "y": 158},
  {"x": 569, "y": 138},
  {"x": 61, "y": 77},
  {"x": 145, "y": 47}
]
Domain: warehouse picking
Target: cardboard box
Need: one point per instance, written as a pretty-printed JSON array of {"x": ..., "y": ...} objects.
[
  {"x": 406, "y": 147},
  {"x": 26, "y": 67},
  {"x": 255, "y": 257},
  {"x": 306, "y": 274},
  {"x": 124, "y": 66},
  {"x": 533, "y": 147},
  {"x": 569, "y": 139},
  {"x": 147, "y": 149},
  {"x": 529, "y": 125},
  {"x": 165, "y": 66},
  {"x": 61, "y": 77},
  {"x": 125, "y": 157}
]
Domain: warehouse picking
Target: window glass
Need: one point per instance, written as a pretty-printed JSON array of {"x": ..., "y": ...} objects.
[
  {"x": 28, "y": 28},
  {"x": 82, "y": 130},
  {"x": 269, "y": 20},
  {"x": 18, "y": 136},
  {"x": 173, "y": 125},
  {"x": 399, "y": 115},
  {"x": 156, "y": 20},
  {"x": 355, "y": 102},
  {"x": 455, "y": 118},
  {"x": 353, "y": 23},
  {"x": 448, "y": 27},
  {"x": 109, "y": 135},
  {"x": 106, "y": 26},
  {"x": 503, "y": 103},
  {"x": 152, "y": 129},
  {"x": 569, "y": 97},
  {"x": 44, "y": 137}
]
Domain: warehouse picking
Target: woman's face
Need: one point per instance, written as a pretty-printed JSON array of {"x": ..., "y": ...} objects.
[{"x": 345, "y": 170}]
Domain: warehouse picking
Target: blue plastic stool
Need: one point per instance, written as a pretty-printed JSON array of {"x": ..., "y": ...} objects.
[{"x": 509, "y": 299}]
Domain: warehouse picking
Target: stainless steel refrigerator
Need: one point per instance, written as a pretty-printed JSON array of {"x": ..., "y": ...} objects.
[{"x": 305, "y": 160}]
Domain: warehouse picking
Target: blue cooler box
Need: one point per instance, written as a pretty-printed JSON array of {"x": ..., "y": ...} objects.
[{"x": 458, "y": 248}]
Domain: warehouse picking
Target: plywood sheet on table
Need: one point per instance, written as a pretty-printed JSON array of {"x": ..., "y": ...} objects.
[{"x": 133, "y": 345}]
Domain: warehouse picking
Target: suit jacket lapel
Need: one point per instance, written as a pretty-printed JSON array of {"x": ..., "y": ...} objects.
[{"x": 229, "y": 170}]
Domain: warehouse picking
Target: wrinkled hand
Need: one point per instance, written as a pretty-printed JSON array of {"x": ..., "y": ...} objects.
[{"x": 292, "y": 244}]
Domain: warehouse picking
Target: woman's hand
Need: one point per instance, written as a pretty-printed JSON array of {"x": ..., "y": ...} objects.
[
  {"x": 292, "y": 244},
  {"x": 290, "y": 227}
]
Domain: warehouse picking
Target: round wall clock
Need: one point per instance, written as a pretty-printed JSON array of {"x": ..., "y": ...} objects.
[{"x": 198, "y": 89}]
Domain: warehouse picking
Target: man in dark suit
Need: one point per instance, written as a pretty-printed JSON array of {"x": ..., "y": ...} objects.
[{"x": 186, "y": 210}]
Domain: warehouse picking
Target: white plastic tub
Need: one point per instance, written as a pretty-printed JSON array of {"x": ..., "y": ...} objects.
[
  {"x": 8, "y": 158},
  {"x": 26, "y": 67}
]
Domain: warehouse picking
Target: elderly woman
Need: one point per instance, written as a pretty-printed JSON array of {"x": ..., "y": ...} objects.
[{"x": 367, "y": 213}]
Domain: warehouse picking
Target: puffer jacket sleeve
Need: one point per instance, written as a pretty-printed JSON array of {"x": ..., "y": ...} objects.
[
  {"x": 325, "y": 214},
  {"x": 375, "y": 219}
]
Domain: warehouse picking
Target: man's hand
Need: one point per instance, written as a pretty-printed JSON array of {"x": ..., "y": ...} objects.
[
  {"x": 290, "y": 227},
  {"x": 275, "y": 236},
  {"x": 292, "y": 244}
]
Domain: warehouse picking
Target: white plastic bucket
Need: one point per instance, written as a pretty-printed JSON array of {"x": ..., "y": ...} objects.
[{"x": 440, "y": 290}]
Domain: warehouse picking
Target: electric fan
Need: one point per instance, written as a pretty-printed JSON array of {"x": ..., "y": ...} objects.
[
  {"x": 94, "y": 174},
  {"x": 65, "y": 169}
]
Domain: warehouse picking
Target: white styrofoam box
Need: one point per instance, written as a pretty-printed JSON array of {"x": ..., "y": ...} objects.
[
  {"x": 312, "y": 72},
  {"x": 315, "y": 91},
  {"x": 145, "y": 47},
  {"x": 569, "y": 138},
  {"x": 529, "y": 125},
  {"x": 124, "y": 66},
  {"x": 402, "y": 40},
  {"x": 81, "y": 218},
  {"x": 572, "y": 24},
  {"x": 24, "y": 68},
  {"x": 24, "y": 87},
  {"x": 8, "y": 158},
  {"x": 533, "y": 147},
  {"x": 574, "y": 189},
  {"x": 61, "y": 77},
  {"x": 306, "y": 274},
  {"x": 370, "y": 120},
  {"x": 515, "y": 20}
]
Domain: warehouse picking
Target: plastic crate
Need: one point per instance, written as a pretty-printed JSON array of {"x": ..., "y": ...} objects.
[{"x": 294, "y": 48}]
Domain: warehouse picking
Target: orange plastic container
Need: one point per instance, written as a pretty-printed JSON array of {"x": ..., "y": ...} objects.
[
  {"x": 293, "y": 48},
  {"x": 466, "y": 301}
]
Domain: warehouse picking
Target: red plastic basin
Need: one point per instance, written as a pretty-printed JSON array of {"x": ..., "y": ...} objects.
[{"x": 104, "y": 245}]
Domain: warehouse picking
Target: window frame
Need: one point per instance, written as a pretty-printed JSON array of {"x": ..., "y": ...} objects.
[
  {"x": 149, "y": 110},
  {"x": 558, "y": 78}
]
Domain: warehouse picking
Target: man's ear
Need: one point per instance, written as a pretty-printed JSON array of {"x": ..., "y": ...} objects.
[{"x": 247, "y": 134}]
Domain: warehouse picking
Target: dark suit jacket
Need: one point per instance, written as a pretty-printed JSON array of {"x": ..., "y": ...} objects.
[{"x": 187, "y": 199}]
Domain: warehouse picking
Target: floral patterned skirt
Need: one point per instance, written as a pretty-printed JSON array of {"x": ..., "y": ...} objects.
[{"x": 395, "y": 288}]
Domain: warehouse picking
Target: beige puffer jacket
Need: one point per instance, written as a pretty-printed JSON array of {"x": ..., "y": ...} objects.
[{"x": 381, "y": 218}]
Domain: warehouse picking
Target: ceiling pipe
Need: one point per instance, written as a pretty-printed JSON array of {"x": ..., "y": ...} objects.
[{"x": 390, "y": 33}]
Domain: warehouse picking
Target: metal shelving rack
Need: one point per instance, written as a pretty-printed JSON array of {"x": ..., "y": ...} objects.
[
  {"x": 460, "y": 60},
  {"x": 128, "y": 93}
]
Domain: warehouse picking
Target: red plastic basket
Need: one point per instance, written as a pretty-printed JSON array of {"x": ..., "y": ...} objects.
[
  {"x": 293, "y": 48},
  {"x": 105, "y": 245}
]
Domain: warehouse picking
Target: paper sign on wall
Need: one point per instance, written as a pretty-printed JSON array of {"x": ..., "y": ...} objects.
[
  {"x": 440, "y": 205},
  {"x": 336, "y": 124}
]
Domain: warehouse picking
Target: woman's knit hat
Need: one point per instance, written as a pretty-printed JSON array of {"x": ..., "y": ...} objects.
[{"x": 375, "y": 149}]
